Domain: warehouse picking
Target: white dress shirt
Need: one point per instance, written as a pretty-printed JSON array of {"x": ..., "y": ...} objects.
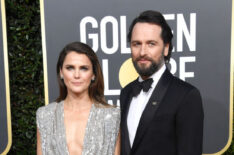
[{"x": 138, "y": 104}]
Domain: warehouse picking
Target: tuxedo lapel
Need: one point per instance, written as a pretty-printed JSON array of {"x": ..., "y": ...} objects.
[{"x": 151, "y": 107}]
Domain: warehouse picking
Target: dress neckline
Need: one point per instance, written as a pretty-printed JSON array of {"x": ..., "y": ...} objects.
[{"x": 64, "y": 129}]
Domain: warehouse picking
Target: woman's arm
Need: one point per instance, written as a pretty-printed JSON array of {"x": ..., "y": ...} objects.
[
  {"x": 39, "y": 152},
  {"x": 117, "y": 146}
]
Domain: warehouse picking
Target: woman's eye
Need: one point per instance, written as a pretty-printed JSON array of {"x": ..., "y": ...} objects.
[
  {"x": 84, "y": 68},
  {"x": 69, "y": 67}
]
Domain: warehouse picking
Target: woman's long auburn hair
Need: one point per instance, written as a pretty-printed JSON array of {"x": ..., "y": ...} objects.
[{"x": 96, "y": 88}]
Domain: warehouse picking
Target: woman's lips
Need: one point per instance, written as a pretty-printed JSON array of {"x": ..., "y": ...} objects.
[{"x": 77, "y": 83}]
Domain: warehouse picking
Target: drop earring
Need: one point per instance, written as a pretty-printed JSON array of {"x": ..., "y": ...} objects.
[{"x": 93, "y": 79}]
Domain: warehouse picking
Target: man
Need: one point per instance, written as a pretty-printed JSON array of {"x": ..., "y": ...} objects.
[{"x": 166, "y": 117}]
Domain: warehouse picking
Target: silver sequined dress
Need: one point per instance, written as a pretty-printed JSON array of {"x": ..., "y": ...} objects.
[{"x": 100, "y": 134}]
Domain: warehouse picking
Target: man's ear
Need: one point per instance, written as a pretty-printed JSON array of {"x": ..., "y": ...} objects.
[{"x": 166, "y": 49}]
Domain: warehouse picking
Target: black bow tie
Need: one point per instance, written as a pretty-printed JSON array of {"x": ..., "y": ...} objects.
[{"x": 145, "y": 85}]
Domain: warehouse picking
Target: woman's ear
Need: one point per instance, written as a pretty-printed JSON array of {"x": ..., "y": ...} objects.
[
  {"x": 93, "y": 78},
  {"x": 61, "y": 74}
]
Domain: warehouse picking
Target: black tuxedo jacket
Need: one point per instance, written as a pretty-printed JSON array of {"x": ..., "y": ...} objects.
[{"x": 171, "y": 123}]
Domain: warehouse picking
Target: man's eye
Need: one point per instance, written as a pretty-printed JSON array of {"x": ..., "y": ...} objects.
[
  {"x": 151, "y": 44},
  {"x": 135, "y": 44}
]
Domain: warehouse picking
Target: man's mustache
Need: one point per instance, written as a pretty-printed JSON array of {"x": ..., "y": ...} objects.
[{"x": 144, "y": 58}]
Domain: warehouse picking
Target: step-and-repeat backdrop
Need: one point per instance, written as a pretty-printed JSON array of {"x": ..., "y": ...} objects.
[
  {"x": 201, "y": 55},
  {"x": 5, "y": 117}
]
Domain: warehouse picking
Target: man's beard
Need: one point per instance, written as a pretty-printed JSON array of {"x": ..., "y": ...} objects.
[{"x": 148, "y": 71}]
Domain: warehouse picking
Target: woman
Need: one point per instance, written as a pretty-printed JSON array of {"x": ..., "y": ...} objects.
[{"x": 80, "y": 121}]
